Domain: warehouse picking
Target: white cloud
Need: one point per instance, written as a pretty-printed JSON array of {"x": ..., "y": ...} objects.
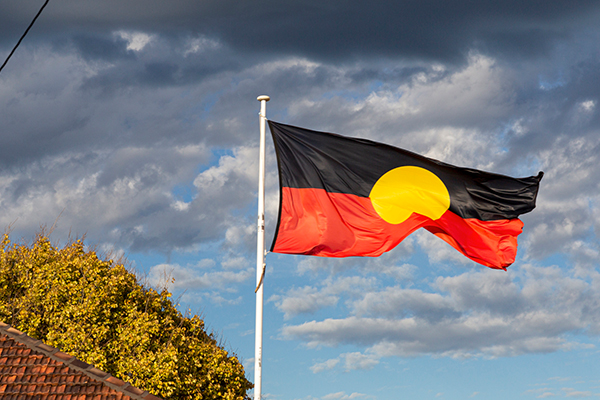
[
  {"x": 235, "y": 263},
  {"x": 240, "y": 236},
  {"x": 344, "y": 396},
  {"x": 136, "y": 41},
  {"x": 286, "y": 65},
  {"x": 359, "y": 361},
  {"x": 483, "y": 313},
  {"x": 352, "y": 362},
  {"x": 308, "y": 300},
  {"x": 568, "y": 198},
  {"x": 587, "y": 105},
  {"x": 437, "y": 113},
  {"x": 570, "y": 392},
  {"x": 114, "y": 198},
  {"x": 485, "y": 290},
  {"x": 216, "y": 298},
  {"x": 303, "y": 300},
  {"x": 438, "y": 251},
  {"x": 241, "y": 166},
  {"x": 180, "y": 205},
  {"x": 200, "y": 45},
  {"x": 195, "y": 278},
  {"x": 324, "y": 366},
  {"x": 398, "y": 302}
]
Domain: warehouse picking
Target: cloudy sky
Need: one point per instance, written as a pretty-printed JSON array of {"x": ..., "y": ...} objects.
[{"x": 135, "y": 123}]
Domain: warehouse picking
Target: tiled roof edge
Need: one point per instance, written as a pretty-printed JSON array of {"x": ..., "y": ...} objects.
[{"x": 78, "y": 365}]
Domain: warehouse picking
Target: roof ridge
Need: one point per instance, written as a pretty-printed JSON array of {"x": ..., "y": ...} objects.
[{"x": 76, "y": 364}]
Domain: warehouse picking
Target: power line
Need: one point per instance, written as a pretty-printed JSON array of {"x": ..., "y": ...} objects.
[{"x": 20, "y": 40}]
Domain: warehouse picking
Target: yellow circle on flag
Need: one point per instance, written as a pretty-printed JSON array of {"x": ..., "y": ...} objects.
[{"x": 406, "y": 190}]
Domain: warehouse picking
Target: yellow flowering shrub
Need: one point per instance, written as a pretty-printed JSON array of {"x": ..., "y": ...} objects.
[{"x": 98, "y": 311}]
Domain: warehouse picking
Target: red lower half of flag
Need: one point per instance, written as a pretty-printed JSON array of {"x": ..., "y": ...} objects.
[{"x": 316, "y": 222}]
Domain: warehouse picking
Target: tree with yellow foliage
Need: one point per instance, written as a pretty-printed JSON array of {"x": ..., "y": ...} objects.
[{"x": 98, "y": 311}]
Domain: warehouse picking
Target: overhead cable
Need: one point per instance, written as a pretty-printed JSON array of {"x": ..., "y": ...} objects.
[{"x": 26, "y": 31}]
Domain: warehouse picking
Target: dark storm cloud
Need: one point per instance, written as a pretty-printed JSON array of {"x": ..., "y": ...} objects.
[
  {"x": 81, "y": 85},
  {"x": 430, "y": 30},
  {"x": 552, "y": 111},
  {"x": 102, "y": 47}
]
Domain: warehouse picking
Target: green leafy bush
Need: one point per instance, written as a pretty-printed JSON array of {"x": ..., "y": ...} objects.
[{"x": 97, "y": 311}]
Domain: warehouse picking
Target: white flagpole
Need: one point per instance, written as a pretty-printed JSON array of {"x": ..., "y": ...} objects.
[{"x": 260, "y": 252}]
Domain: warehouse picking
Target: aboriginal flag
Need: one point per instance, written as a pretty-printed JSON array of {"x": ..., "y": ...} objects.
[{"x": 342, "y": 197}]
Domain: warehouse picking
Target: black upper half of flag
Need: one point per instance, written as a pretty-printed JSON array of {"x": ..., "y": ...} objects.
[{"x": 339, "y": 164}]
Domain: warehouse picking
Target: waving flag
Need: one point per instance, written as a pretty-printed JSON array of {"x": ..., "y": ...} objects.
[{"x": 342, "y": 197}]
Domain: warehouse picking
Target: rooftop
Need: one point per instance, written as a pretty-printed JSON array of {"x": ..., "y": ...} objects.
[{"x": 32, "y": 370}]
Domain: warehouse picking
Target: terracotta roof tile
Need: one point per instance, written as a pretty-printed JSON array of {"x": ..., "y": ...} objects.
[{"x": 32, "y": 370}]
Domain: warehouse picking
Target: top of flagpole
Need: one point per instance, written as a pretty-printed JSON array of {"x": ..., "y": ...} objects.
[{"x": 263, "y": 97}]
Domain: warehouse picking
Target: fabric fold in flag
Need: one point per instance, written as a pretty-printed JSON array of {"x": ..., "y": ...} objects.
[{"x": 342, "y": 197}]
